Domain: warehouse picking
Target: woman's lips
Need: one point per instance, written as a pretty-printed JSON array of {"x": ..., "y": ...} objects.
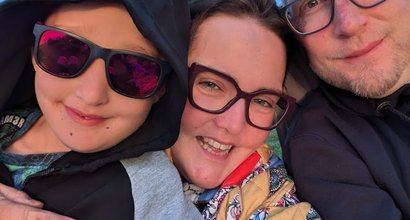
[
  {"x": 84, "y": 119},
  {"x": 213, "y": 149}
]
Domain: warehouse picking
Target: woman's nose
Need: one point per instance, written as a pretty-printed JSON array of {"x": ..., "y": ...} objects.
[{"x": 233, "y": 119}]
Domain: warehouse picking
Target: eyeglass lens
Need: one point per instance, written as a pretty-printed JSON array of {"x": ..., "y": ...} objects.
[
  {"x": 63, "y": 55},
  {"x": 215, "y": 93},
  {"x": 309, "y": 16}
]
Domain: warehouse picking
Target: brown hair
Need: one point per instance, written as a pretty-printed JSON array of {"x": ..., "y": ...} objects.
[{"x": 263, "y": 11}]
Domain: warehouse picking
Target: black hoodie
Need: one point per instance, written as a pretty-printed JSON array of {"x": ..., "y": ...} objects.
[
  {"x": 349, "y": 155},
  {"x": 166, "y": 24}
]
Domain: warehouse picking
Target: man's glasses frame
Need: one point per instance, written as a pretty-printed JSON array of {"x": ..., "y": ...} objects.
[
  {"x": 287, "y": 101},
  {"x": 283, "y": 7},
  {"x": 99, "y": 52}
]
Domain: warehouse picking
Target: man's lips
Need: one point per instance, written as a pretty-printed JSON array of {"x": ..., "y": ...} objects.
[
  {"x": 364, "y": 51},
  {"x": 84, "y": 119}
]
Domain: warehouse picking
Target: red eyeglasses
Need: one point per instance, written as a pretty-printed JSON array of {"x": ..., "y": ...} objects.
[{"x": 67, "y": 55}]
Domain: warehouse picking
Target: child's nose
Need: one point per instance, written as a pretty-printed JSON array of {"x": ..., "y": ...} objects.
[{"x": 92, "y": 86}]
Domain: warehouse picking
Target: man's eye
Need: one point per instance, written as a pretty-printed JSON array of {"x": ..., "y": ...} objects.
[
  {"x": 312, "y": 4},
  {"x": 311, "y": 7}
]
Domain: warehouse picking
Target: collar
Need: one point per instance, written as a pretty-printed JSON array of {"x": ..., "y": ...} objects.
[
  {"x": 367, "y": 106},
  {"x": 242, "y": 171}
]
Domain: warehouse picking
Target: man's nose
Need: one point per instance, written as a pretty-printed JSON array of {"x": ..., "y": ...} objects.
[{"x": 349, "y": 19}]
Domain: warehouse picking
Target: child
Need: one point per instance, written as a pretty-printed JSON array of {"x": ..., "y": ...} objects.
[{"x": 77, "y": 147}]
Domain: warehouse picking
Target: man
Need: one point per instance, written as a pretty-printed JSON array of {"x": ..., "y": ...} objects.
[{"x": 348, "y": 146}]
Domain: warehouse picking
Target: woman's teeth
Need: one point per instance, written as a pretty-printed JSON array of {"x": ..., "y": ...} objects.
[{"x": 214, "y": 147}]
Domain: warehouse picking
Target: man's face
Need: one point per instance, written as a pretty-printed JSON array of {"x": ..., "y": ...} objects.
[{"x": 365, "y": 51}]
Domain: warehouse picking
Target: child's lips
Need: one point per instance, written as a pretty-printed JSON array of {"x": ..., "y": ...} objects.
[{"x": 84, "y": 119}]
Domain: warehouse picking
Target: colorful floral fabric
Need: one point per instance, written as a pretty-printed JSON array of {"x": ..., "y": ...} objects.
[{"x": 267, "y": 192}]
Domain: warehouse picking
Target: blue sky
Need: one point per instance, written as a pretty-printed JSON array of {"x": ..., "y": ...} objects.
[{"x": 278, "y": 2}]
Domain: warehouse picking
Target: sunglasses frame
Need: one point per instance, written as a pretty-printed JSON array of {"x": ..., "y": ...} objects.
[
  {"x": 197, "y": 68},
  {"x": 97, "y": 51}
]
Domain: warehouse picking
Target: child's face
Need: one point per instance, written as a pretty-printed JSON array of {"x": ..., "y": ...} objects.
[
  {"x": 211, "y": 146},
  {"x": 83, "y": 113}
]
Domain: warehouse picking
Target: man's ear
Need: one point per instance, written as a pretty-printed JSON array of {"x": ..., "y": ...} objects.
[{"x": 159, "y": 94}]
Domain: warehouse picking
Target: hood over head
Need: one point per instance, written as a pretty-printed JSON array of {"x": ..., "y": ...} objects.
[{"x": 165, "y": 23}]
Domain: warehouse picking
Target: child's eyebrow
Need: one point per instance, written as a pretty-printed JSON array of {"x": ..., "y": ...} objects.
[
  {"x": 137, "y": 48},
  {"x": 82, "y": 30}
]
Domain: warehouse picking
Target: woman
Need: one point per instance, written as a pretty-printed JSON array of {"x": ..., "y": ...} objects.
[{"x": 237, "y": 61}]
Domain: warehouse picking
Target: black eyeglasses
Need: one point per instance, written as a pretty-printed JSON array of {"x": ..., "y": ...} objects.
[
  {"x": 310, "y": 16},
  {"x": 214, "y": 92},
  {"x": 67, "y": 55}
]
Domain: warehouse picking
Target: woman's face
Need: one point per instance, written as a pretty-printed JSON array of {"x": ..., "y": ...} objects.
[
  {"x": 83, "y": 113},
  {"x": 211, "y": 146}
]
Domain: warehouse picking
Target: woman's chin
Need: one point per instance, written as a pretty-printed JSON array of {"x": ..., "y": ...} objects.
[{"x": 207, "y": 183}]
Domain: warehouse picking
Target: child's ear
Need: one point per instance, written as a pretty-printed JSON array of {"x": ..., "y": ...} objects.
[
  {"x": 159, "y": 94},
  {"x": 33, "y": 61}
]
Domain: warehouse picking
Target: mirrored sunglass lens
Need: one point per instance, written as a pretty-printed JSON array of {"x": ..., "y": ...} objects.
[
  {"x": 132, "y": 75},
  {"x": 266, "y": 110},
  {"x": 211, "y": 91},
  {"x": 309, "y": 15},
  {"x": 61, "y": 54}
]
